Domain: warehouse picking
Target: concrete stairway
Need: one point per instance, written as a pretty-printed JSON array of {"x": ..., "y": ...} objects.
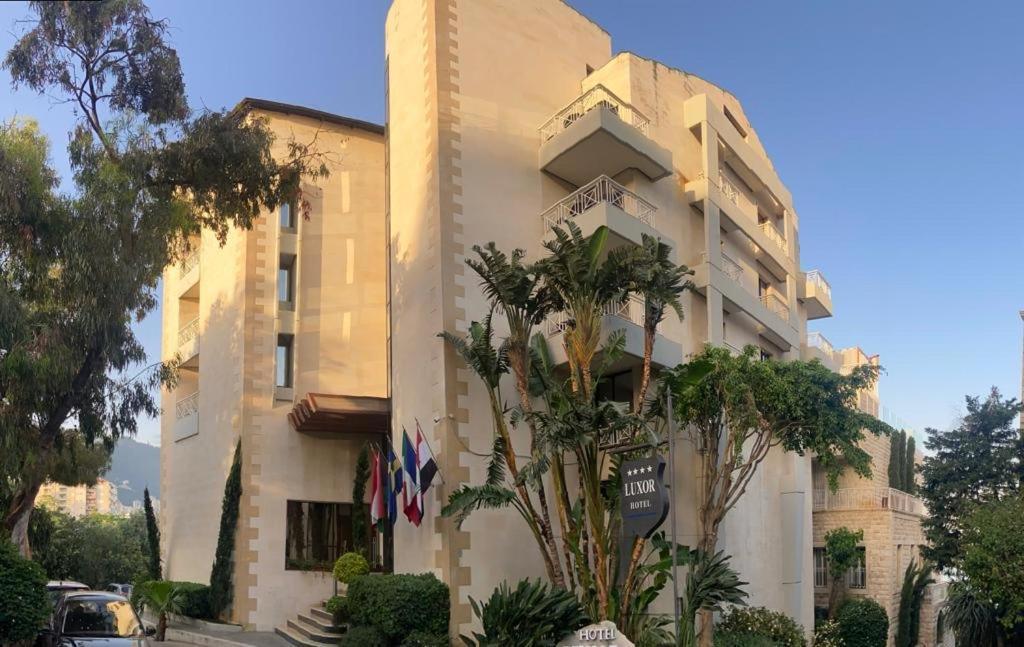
[{"x": 313, "y": 629}]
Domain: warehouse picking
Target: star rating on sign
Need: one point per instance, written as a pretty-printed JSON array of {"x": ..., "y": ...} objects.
[{"x": 640, "y": 470}]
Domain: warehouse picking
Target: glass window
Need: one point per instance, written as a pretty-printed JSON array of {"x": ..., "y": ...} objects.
[
  {"x": 857, "y": 576},
  {"x": 318, "y": 533},
  {"x": 820, "y": 568},
  {"x": 284, "y": 361},
  {"x": 287, "y": 214},
  {"x": 100, "y": 617},
  {"x": 286, "y": 280}
]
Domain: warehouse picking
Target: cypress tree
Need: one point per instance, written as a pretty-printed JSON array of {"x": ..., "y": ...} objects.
[
  {"x": 908, "y": 467},
  {"x": 894, "y": 464},
  {"x": 901, "y": 453},
  {"x": 360, "y": 534},
  {"x": 153, "y": 535},
  {"x": 220, "y": 575}
]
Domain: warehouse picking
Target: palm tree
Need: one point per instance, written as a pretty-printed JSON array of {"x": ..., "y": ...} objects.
[{"x": 161, "y": 598}]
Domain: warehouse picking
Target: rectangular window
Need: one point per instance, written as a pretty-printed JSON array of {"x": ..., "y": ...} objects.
[
  {"x": 286, "y": 281},
  {"x": 820, "y": 569},
  {"x": 318, "y": 533},
  {"x": 287, "y": 214},
  {"x": 857, "y": 576},
  {"x": 284, "y": 360}
]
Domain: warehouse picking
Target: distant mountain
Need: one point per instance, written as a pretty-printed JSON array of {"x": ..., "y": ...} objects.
[{"x": 137, "y": 463}]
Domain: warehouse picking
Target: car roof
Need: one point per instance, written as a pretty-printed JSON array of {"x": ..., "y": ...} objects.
[
  {"x": 57, "y": 584},
  {"x": 102, "y": 595}
]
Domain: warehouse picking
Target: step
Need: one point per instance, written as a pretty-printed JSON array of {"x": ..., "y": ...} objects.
[
  {"x": 295, "y": 638},
  {"x": 320, "y": 623},
  {"x": 321, "y": 614},
  {"x": 312, "y": 633}
]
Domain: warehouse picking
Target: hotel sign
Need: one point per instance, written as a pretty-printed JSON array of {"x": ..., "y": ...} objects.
[
  {"x": 644, "y": 500},
  {"x": 602, "y": 634}
]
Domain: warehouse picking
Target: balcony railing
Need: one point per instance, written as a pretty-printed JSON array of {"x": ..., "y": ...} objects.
[
  {"x": 773, "y": 235},
  {"x": 187, "y": 406},
  {"x": 776, "y": 304},
  {"x": 732, "y": 269},
  {"x": 631, "y": 309},
  {"x": 188, "y": 332},
  {"x": 818, "y": 340},
  {"x": 882, "y": 498},
  {"x": 601, "y": 190},
  {"x": 189, "y": 263},
  {"x": 596, "y": 97},
  {"x": 815, "y": 277}
]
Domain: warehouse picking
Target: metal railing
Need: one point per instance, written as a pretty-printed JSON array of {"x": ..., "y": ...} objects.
[
  {"x": 733, "y": 348},
  {"x": 601, "y": 190},
  {"x": 188, "y": 332},
  {"x": 819, "y": 340},
  {"x": 631, "y": 309},
  {"x": 596, "y": 97},
  {"x": 732, "y": 269},
  {"x": 187, "y": 406},
  {"x": 773, "y": 235},
  {"x": 729, "y": 189},
  {"x": 189, "y": 263},
  {"x": 880, "y": 498},
  {"x": 776, "y": 304},
  {"x": 816, "y": 277}
]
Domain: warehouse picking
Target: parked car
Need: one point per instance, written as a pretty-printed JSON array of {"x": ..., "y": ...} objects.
[
  {"x": 94, "y": 618},
  {"x": 121, "y": 589},
  {"x": 56, "y": 588}
]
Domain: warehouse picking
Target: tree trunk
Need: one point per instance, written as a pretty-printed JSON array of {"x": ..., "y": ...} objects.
[
  {"x": 835, "y": 596},
  {"x": 18, "y": 515},
  {"x": 161, "y": 627}
]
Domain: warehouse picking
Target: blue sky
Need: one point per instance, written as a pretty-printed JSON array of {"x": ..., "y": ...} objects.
[{"x": 896, "y": 126}]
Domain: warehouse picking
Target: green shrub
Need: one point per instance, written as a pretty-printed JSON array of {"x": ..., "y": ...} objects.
[
  {"x": 531, "y": 614},
  {"x": 24, "y": 605},
  {"x": 826, "y": 634},
  {"x": 363, "y": 637},
  {"x": 350, "y": 566},
  {"x": 734, "y": 639},
  {"x": 195, "y": 600},
  {"x": 421, "y": 639},
  {"x": 337, "y": 606},
  {"x": 758, "y": 621},
  {"x": 398, "y": 605},
  {"x": 863, "y": 623}
]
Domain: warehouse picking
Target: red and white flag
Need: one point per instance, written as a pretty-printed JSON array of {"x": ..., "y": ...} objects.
[{"x": 378, "y": 506}]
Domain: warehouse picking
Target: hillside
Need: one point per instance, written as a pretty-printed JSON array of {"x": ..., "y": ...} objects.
[{"x": 137, "y": 463}]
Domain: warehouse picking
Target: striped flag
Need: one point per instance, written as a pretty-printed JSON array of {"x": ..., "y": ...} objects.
[
  {"x": 411, "y": 497},
  {"x": 378, "y": 507},
  {"x": 425, "y": 463},
  {"x": 393, "y": 483}
]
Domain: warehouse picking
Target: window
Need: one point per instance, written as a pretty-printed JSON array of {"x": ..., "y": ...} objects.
[
  {"x": 318, "y": 533},
  {"x": 616, "y": 388},
  {"x": 284, "y": 361},
  {"x": 287, "y": 214},
  {"x": 820, "y": 569},
  {"x": 286, "y": 281},
  {"x": 857, "y": 576},
  {"x": 765, "y": 355},
  {"x": 762, "y": 287}
]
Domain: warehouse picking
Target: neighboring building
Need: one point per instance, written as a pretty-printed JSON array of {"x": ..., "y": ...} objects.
[
  {"x": 287, "y": 319},
  {"x": 890, "y": 518},
  {"x": 304, "y": 337},
  {"x": 80, "y": 500}
]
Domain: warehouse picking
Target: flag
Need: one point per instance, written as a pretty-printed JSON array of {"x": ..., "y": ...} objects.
[
  {"x": 393, "y": 480},
  {"x": 378, "y": 510},
  {"x": 411, "y": 492},
  {"x": 425, "y": 463}
]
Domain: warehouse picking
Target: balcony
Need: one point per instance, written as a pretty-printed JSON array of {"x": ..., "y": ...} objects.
[
  {"x": 627, "y": 316},
  {"x": 608, "y": 203},
  {"x": 186, "y": 416},
  {"x": 600, "y": 134},
  {"x": 737, "y": 285},
  {"x": 326, "y": 415},
  {"x": 880, "y": 498},
  {"x": 188, "y": 276},
  {"x": 188, "y": 344},
  {"x": 738, "y": 212},
  {"x": 816, "y": 295}
]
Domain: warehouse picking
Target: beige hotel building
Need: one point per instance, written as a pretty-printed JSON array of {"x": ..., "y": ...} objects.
[{"x": 306, "y": 337}]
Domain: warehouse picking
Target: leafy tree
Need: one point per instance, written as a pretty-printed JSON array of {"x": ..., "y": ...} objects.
[
  {"x": 974, "y": 463},
  {"x": 915, "y": 580},
  {"x": 77, "y": 270},
  {"x": 863, "y": 622},
  {"x": 221, "y": 591},
  {"x": 842, "y": 554},
  {"x": 161, "y": 598},
  {"x": 360, "y": 515},
  {"x": 153, "y": 537},
  {"x": 993, "y": 557},
  {"x": 24, "y": 606}
]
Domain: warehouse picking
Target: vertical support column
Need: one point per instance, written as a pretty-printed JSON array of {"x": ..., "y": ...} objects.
[
  {"x": 795, "y": 536},
  {"x": 712, "y": 233}
]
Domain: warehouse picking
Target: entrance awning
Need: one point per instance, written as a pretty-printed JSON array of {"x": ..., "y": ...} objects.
[{"x": 341, "y": 416}]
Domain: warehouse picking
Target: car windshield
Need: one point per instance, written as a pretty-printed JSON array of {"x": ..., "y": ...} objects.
[{"x": 101, "y": 617}]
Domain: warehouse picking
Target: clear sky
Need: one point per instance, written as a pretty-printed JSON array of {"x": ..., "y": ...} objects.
[{"x": 897, "y": 127}]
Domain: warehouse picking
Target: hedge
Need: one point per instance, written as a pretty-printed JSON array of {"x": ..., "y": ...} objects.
[
  {"x": 399, "y": 606},
  {"x": 195, "y": 600},
  {"x": 24, "y": 605},
  {"x": 758, "y": 621},
  {"x": 863, "y": 623},
  {"x": 363, "y": 637}
]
